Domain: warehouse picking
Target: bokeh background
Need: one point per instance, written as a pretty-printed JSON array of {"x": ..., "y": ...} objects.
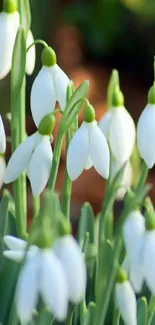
[{"x": 91, "y": 37}]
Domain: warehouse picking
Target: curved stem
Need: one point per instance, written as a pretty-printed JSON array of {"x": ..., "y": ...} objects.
[
  {"x": 38, "y": 41},
  {"x": 55, "y": 162}
]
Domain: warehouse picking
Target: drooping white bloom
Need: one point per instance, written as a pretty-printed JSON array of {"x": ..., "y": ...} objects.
[
  {"x": 42, "y": 273},
  {"x": 9, "y": 23},
  {"x": 133, "y": 233},
  {"x": 35, "y": 156},
  {"x": 57, "y": 273},
  {"x": 31, "y": 54},
  {"x": 126, "y": 302},
  {"x": 119, "y": 129},
  {"x": 149, "y": 259},
  {"x": 49, "y": 86},
  {"x": 88, "y": 146},
  {"x": 126, "y": 181},
  {"x": 69, "y": 253},
  {"x": 2, "y": 170},
  {"x": 2, "y": 137},
  {"x": 146, "y": 135}
]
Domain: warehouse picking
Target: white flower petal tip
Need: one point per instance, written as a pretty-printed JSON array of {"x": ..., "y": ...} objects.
[
  {"x": 31, "y": 55},
  {"x": 20, "y": 158},
  {"x": 126, "y": 302},
  {"x": 43, "y": 95},
  {"x": 122, "y": 135},
  {"x": 99, "y": 150},
  {"x": 149, "y": 260},
  {"x": 70, "y": 255},
  {"x": 2, "y": 171},
  {"x": 15, "y": 255},
  {"x": 27, "y": 290},
  {"x": 104, "y": 123},
  {"x": 40, "y": 166},
  {"x": 146, "y": 135},
  {"x": 8, "y": 26},
  {"x": 2, "y": 137},
  {"x": 78, "y": 153},
  {"x": 14, "y": 243},
  {"x": 53, "y": 285},
  {"x": 61, "y": 82}
]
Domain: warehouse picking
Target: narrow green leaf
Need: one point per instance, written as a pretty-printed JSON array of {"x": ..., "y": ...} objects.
[
  {"x": 142, "y": 311},
  {"x": 90, "y": 314},
  {"x": 114, "y": 80},
  {"x": 79, "y": 93},
  {"x": 25, "y": 14},
  {"x": 86, "y": 223},
  {"x": 18, "y": 62}
]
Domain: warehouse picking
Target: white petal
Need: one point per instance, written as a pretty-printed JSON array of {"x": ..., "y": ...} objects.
[
  {"x": 126, "y": 302},
  {"x": 133, "y": 232},
  {"x": 61, "y": 82},
  {"x": 126, "y": 179},
  {"x": 15, "y": 255},
  {"x": 146, "y": 135},
  {"x": 70, "y": 255},
  {"x": 99, "y": 150},
  {"x": 40, "y": 166},
  {"x": 43, "y": 95},
  {"x": 104, "y": 123},
  {"x": 78, "y": 152},
  {"x": 2, "y": 137},
  {"x": 149, "y": 260},
  {"x": 15, "y": 243},
  {"x": 89, "y": 163},
  {"x": 2, "y": 170},
  {"x": 8, "y": 28},
  {"x": 20, "y": 158},
  {"x": 31, "y": 54},
  {"x": 53, "y": 285},
  {"x": 27, "y": 289},
  {"x": 121, "y": 135}
]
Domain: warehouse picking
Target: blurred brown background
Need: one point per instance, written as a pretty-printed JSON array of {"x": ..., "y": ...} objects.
[{"x": 91, "y": 38}]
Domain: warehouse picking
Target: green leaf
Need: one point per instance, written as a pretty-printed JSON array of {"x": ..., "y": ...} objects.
[
  {"x": 90, "y": 314},
  {"x": 18, "y": 62},
  {"x": 8, "y": 277},
  {"x": 25, "y": 14},
  {"x": 142, "y": 311},
  {"x": 113, "y": 82},
  {"x": 86, "y": 223}
]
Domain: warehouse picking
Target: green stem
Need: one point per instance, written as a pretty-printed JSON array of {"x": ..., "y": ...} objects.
[
  {"x": 55, "y": 162},
  {"x": 116, "y": 316},
  {"x": 18, "y": 135},
  {"x": 36, "y": 207},
  {"x": 67, "y": 185},
  {"x": 142, "y": 177},
  {"x": 151, "y": 310},
  {"x": 69, "y": 315},
  {"x": 38, "y": 41}
]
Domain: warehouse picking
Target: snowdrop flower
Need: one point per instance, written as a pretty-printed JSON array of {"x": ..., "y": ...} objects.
[
  {"x": 88, "y": 147},
  {"x": 126, "y": 181},
  {"x": 125, "y": 299},
  {"x": 133, "y": 233},
  {"x": 35, "y": 156},
  {"x": 118, "y": 127},
  {"x": 31, "y": 54},
  {"x": 57, "y": 273},
  {"x": 69, "y": 253},
  {"x": 146, "y": 130},
  {"x": 42, "y": 273},
  {"x": 2, "y": 170},
  {"x": 9, "y": 23},
  {"x": 2, "y": 137},
  {"x": 49, "y": 86}
]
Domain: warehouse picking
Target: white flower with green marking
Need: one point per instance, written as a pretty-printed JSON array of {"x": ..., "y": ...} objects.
[
  {"x": 58, "y": 274},
  {"x": 49, "y": 86}
]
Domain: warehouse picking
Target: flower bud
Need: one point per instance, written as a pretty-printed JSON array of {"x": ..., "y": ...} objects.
[
  {"x": 10, "y": 6},
  {"x": 89, "y": 113},
  {"x": 151, "y": 95},
  {"x": 47, "y": 124},
  {"x": 48, "y": 57}
]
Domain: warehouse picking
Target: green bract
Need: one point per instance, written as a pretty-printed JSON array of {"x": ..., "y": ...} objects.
[
  {"x": 151, "y": 95},
  {"x": 47, "y": 124},
  {"x": 10, "y": 6},
  {"x": 48, "y": 57},
  {"x": 89, "y": 113},
  {"x": 121, "y": 275}
]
